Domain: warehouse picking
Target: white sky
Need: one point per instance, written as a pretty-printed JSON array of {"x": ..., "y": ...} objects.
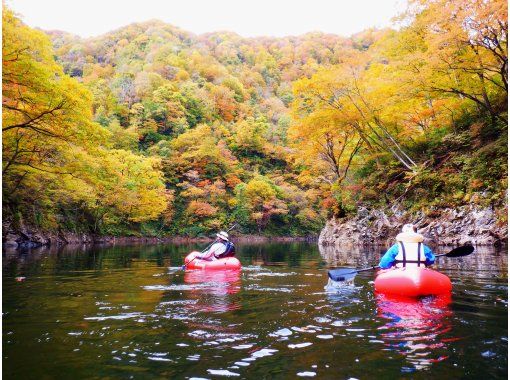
[{"x": 248, "y": 18}]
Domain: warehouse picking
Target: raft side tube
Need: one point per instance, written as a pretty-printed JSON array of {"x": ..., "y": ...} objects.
[
  {"x": 227, "y": 263},
  {"x": 412, "y": 282}
]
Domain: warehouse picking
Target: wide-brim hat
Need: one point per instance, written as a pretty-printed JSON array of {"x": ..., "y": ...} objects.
[
  {"x": 222, "y": 235},
  {"x": 409, "y": 227},
  {"x": 410, "y": 237}
]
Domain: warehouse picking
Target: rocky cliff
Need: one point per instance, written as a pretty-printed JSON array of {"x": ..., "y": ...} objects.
[
  {"x": 468, "y": 224},
  {"x": 25, "y": 236}
]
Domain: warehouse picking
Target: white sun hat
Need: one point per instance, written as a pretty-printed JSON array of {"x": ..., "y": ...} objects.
[
  {"x": 408, "y": 227},
  {"x": 408, "y": 235},
  {"x": 222, "y": 235}
]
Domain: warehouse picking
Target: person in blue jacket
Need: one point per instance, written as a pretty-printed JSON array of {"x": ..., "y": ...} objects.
[{"x": 408, "y": 251}]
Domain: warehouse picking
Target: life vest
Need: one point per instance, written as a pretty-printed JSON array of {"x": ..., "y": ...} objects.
[
  {"x": 230, "y": 250},
  {"x": 411, "y": 251}
]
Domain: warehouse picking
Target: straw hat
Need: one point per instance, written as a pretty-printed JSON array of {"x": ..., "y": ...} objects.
[
  {"x": 408, "y": 235},
  {"x": 222, "y": 235},
  {"x": 408, "y": 228}
]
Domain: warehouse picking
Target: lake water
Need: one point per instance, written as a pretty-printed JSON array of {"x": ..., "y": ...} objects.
[{"x": 131, "y": 313}]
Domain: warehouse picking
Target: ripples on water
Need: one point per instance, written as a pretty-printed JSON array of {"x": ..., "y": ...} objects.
[{"x": 130, "y": 312}]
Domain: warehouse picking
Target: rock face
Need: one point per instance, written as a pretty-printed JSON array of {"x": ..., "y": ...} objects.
[
  {"x": 477, "y": 226},
  {"x": 30, "y": 237},
  {"x": 25, "y": 237}
]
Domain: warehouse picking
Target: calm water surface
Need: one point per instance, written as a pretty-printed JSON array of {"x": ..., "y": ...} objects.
[{"x": 129, "y": 312}]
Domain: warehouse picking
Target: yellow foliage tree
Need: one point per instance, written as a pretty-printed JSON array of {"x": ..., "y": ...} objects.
[
  {"x": 263, "y": 201},
  {"x": 54, "y": 155}
]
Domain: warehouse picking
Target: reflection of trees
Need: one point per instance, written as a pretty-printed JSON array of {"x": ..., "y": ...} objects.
[
  {"x": 294, "y": 254},
  {"x": 351, "y": 255},
  {"x": 213, "y": 289},
  {"x": 98, "y": 257},
  {"x": 485, "y": 258},
  {"x": 106, "y": 257}
]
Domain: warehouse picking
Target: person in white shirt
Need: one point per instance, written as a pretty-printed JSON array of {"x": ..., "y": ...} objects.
[{"x": 222, "y": 247}]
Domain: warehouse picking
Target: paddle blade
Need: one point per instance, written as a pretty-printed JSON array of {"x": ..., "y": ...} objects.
[
  {"x": 461, "y": 251},
  {"x": 342, "y": 274}
]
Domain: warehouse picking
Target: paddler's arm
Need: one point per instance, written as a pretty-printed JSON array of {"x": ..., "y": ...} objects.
[
  {"x": 203, "y": 255},
  {"x": 389, "y": 257},
  {"x": 212, "y": 253},
  {"x": 207, "y": 254},
  {"x": 219, "y": 249},
  {"x": 429, "y": 256}
]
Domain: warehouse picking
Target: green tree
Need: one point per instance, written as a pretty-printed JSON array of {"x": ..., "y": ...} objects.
[{"x": 55, "y": 158}]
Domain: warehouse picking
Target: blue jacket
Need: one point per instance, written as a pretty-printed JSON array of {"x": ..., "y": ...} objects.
[{"x": 388, "y": 260}]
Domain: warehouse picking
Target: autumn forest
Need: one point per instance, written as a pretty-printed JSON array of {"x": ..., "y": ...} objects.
[{"x": 150, "y": 130}]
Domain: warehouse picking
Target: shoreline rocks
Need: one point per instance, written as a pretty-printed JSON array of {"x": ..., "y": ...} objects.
[
  {"x": 444, "y": 227},
  {"x": 28, "y": 238},
  {"x": 449, "y": 227}
]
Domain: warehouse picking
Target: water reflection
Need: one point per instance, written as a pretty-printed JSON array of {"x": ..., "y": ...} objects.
[
  {"x": 416, "y": 328},
  {"x": 213, "y": 289},
  {"x": 484, "y": 259},
  {"x": 122, "y": 311},
  {"x": 348, "y": 254},
  {"x": 98, "y": 257},
  {"x": 342, "y": 294}
]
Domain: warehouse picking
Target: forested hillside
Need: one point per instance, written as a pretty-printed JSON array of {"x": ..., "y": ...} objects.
[{"x": 153, "y": 130}]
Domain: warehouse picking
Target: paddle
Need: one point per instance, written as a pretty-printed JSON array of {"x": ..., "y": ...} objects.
[
  {"x": 204, "y": 250},
  {"x": 459, "y": 251},
  {"x": 346, "y": 274},
  {"x": 193, "y": 259}
]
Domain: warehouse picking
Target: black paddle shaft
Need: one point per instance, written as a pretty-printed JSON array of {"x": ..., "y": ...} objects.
[{"x": 344, "y": 274}]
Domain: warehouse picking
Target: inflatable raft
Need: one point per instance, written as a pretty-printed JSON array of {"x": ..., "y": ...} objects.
[
  {"x": 412, "y": 282},
  {"x": 227, "y": 263}
]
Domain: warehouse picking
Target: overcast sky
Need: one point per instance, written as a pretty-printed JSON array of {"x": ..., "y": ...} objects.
[{"x": 248, "y": 18}]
